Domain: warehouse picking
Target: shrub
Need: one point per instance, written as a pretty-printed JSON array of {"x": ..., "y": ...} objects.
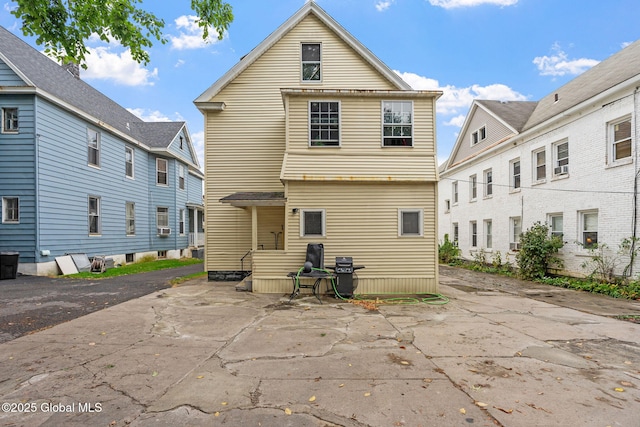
[
  {"x": 448, "y": 251},
  {"x": 603, "y": 262},
  {"x": 538, "y": 251}
]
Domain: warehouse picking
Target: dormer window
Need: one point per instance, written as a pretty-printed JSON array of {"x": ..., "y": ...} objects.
[{"x": 311, "y": 64}]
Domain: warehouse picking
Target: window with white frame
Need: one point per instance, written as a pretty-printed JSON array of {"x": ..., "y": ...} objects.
[
  {"x": 93, "y": 147},
  {"x": 162, "y": 172},
  {"x": 130, "y": 218},
  {"x": 9, "y": 120},
  {"x": 479, "y": 135},
  {"x": 473, "y": 188},
  {"x": 473, "y": 231},
  {"x": 397, "y": 123},
  {"x": 515, "y": 225},
  {"x": 324, "y": 123},
  {"x": 454, "y": 192},
  {"x": 515, "y": 174},
  {"x": 589, "y": 227},
  {"x": 182, "y": 221},
  {"x": 410, "y": 222},
  {"x": 128, "y": 161},
  {"x": 556, "y": 225},
  {"x": 311, "y": 62},
  {"x": 561, "y": 158},
  {"x": 620, "y": 139},
  {"x": 488, "y": 183},
  {"x": 10, "y": 210},
  {"x": 539, "y": 165},
  {"x": 447, "y": 206},
  {"x": 181, "y": 177},
  {"x": 162, "y": 217},
  {"x": 95, "y": 226},
  {"x": 312, "y": 223},
  {"x": 488, "y": 233},
  {"x": 456, "y": 232}
]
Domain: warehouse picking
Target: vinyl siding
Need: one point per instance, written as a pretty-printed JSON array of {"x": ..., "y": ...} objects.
[
  {"x": 361, "y": 222},
  {"x": 245, "y": 143},
  {"x": 8, "y": 77},
  {"x": 17, "y": 177}
]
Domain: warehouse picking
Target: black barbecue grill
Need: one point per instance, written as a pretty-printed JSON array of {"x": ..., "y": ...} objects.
[{"x": 346, "y": 278}]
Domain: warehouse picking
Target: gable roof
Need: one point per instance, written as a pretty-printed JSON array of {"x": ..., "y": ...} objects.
[
  {"x": 46, "y": 78},
  {"x": 310, "y": 7},
  {"x": 513, "y": 113}
]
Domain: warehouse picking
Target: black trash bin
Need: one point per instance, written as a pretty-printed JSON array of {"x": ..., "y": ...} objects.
[{"x": 9, "y": 265}]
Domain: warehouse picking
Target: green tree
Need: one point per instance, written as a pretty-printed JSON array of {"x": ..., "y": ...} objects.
[
  {"x": 538, "y": 251},
  {"x": 63, "y": 26}
]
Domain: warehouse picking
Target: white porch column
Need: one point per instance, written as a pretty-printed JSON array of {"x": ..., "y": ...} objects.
[{"x": 254, "y": 228}]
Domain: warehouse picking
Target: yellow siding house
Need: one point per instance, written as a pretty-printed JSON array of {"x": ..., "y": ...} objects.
[{"x": 311, "y": 139}]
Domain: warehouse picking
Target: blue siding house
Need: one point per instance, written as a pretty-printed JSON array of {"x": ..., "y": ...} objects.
[{"x": 81, "y": 174}]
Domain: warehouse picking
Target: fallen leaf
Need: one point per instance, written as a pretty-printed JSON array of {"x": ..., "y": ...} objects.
[
  {"x": 312, "y": 399},
  {"x": 626, "y": 362},
  {"x": 341, "y": 385},
  {"x": 200, "y": 377},
  {"x": 626, "y": 383},
  {"x": 287, "y": 411},
  {"x": 619, "y": 389},
  {"x": 463, "y": 411},
  {"x": 367, "y": 394},
  {"x": 506, "y": 411},
  {"x": 404, "y": 362},
  {"x": 92, "y": 343},
  {"x": 216, "y": 414},
  {"x": 481, "y": 404},
  {"x": 155, "y": 374},
  {"x": 224, "y": 403}
]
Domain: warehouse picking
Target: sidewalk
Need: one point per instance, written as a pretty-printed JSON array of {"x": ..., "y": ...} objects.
[{"x": 203, "y": 354}]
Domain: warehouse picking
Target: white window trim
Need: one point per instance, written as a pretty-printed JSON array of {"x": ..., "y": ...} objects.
[
  {"x": 487, "y": 184},
  {"x": 98, "y": 148},
  {"x": 611, "y": 145},
  {"x": 182, "y": 183},
  {"x": 512, "y": 176},
  {"x": 127, "y": 218},
  {"x": 473, "y": 188},
  {"x": 158, "y": 225},
  {"x": 182, "y": 226},
  {"x": 550, "y": 222},
  {"x": 455, "y": 193},
  {"x": 339, "y": 123},
  {"x": 133, "y": 162},
  {"x": 4, "y": 120},
  {"x": 412, "y": 124},
  {"x": 477, "y": 133},
  {"x": 581, "y": 225},
  {"x": 488, "y": 234},
  {"x": 99, "y": 215},
  {"x": 564, "y": 169},
  {"x": 302, "y": 80},
  {"x": 5, "y": 220},
  {"x": 534, "y": 169},
  {"x": 166, "y": 162},
  {"x": 324, "y": 222},
  {"x": 472, "y": 225},
  {"x": 514, "y": 241},
  {"x": 420, "y": 213}
]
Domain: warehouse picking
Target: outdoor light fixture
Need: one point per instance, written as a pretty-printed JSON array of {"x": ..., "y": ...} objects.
[{"x": 294, "y": 210}]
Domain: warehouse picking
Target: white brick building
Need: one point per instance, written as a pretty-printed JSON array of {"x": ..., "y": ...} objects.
[{"x": 570, "y": 160}]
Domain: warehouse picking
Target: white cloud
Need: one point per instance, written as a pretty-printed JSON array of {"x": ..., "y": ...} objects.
[
  {"x": 197, "y": 139},
  {"x": 452, "y": 4},
  {"x": 149, "y": 115},
  {"x": 382, "y": 5},
  {"x": 104, "y": 64},
  {"x": 191, "y": 34},
  {"x": 559, "y": 64},
  {"x": 455, "y": 100},
  {"x": 179, "y": 63},
  {"x": 456, "y": 121}
]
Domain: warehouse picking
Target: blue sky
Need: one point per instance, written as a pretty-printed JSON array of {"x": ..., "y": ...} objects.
[{"x": 469, "y": 49}]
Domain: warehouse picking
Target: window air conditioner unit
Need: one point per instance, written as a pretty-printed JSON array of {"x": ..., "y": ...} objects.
[
  {"x": 164, "y": 231},
  {"x": 514, "y": 246},
  {"x": 561, "y": 170}
]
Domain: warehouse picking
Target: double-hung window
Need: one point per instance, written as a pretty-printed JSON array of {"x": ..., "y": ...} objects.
[
  {"x": 311, "y": 62},
  {"x": 93, "y": 147},
  {"x": 473, "y": 188},
  {"x": 130, "y": 218},
  {"x": 182, "y": 221},
  {"x": 557, "y": 226},
  {"x": 162, "y": 217},
  {"x": 473, "y": 226},
  {"x": 397, "y": 123},
  {"x": 540, "y": 165},
  {"x": 10, "y": 210},
  {"x": 162, "y": 172},
  {"x": 410, "y": 222},
  {"x": 515, "y": 232},
  {"x": 128, "y": 162},
  {"x": 589, "y": 225},
  {"x": 488, "y": 233},
  {"x": 324, "y": 123},
  {"x": 488, "y": 183},
  {"x": 9, "y": 120},
  {"x": 312, "y": 223},
  {"x": 454, "y": 192},
  {"x": 620, "y": 137},
  {"x": 515, "y": 174},
  {"x": 561, "y": 164},
  {"x": 181, "y": 177},
  {"x": 94, "y": 215}
]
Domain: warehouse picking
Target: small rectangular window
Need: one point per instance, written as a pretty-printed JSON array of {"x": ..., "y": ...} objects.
[
  {"x": 162, "y": 217},
  {"x": 515, "y": 174},
  {"x": 182, "y": 221},
  {"x": 620, "y": 136},
  {"x": 516, "y": 231},
  {"x": 561, "y": 152},
  {"x": 312, "y": 223},
  {"x": 540, "y": 165},
  {"x": 311, "y": 62},
  {"x": 488, "y": 183},
  {"x": 488, "y": 233},
  {"x": 473, "y": 226},
  {"x": 473, "y": 187},
  {"x": 454, "y": 191},
  {"x": 324, "y": 124},
  {"x": 557, "y": 227},
  {"x": 181, "y": 177},
  {"x": 10, "y": 210},
  {"x": 589, "y": 220},
  {"x": 94, "y": 215},
  {"x": 397, "y": 123},
  {"x": 9, "y": 120},
  {"x": 410, "y": 222},
  {"x": 456, "y": 234},
  {"x": 93, "y": 147},
  {"x": 128, "y": 162},
  {"x": 447, "y": 206},
  {"x": 162, "y": 172},
  {"x": 130, "y": 218}
]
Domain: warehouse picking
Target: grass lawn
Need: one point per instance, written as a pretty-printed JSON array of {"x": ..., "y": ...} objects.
[{"x": 138, "y": 267}]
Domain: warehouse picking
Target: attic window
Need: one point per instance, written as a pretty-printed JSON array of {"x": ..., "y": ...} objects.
[
  {"x": 479, "y": 135},
  {"x": 311, "y": 62},
  {"x": 181, "y": 143},
  {"x": 555, "y": 97}
]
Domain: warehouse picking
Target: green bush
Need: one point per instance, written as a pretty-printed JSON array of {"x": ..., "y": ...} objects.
[
  {"x": 538, "y": 251},
  {"x": 448, "y": 251}
]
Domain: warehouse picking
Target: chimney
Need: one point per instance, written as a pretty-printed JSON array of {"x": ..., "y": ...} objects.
[{"x": 72, "y": 68}]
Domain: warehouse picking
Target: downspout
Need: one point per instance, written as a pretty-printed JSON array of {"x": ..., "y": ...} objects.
[
  {"x": 36, "y": 179},
  {"x": 634, "y": 216}
]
